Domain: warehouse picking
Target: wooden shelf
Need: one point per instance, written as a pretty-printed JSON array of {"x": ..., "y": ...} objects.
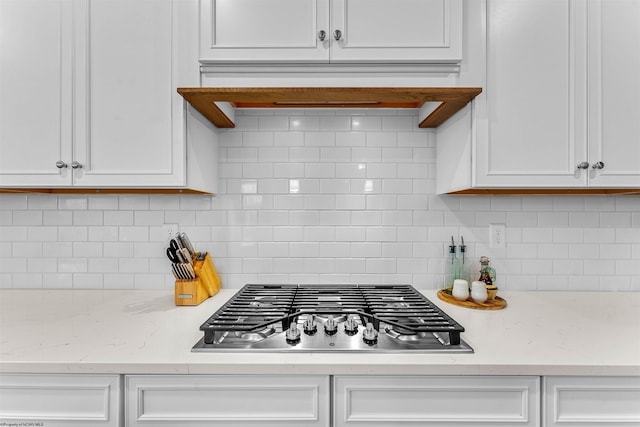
[
  {"x": 549, "y": 191},
  {"x": 436, "y": 104},
  {"x": 78, "y": 190}
]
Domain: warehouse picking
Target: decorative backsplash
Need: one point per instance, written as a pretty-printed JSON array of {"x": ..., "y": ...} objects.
[{"x": 321, "y": 196}]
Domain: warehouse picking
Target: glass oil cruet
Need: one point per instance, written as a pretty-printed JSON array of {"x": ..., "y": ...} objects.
[{"x": 452, "y": 268}]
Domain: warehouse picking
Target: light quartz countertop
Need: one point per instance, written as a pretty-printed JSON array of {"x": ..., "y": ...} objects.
[{"x": 137, "y": 331}]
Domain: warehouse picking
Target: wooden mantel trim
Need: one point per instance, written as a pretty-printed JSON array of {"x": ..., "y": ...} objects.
[{"x": 213, "y": 102}]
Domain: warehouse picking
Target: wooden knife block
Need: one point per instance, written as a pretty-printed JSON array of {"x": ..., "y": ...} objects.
[{"x": 207, "y": 283}]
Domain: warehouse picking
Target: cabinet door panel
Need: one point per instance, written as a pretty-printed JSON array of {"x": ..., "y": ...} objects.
[
  {"x": 536, "y": 102},
  {"x": 264, "y": 30},
  {"x": 60, "y": 400},
  {"x": 397, "y": 30},
  {"x": 125, "y": 112},
  {"x": 614, "y": 90},
  {"x": 228, "y": 400},
  {"x": 35, "y": 92},
  {"x": 593, "y": 401},
  {"x": 389, "y": 401}
]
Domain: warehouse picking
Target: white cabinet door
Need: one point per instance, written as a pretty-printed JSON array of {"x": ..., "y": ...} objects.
[
  {"x": 536, "y": 103},
  {"x": 614, "y": 91},
  {"x": 129, "y": 119},
  {"x": 54, "y": 400},
  {"x": 436, "y": 401},
  {"x": 264, "y": 30},
  {"x": 304, "y": 31},
  {"x": 92, "y": 83},
  {"x": 227, "y": 400},
  {"x": 35, "y": 92},
  {"x": 592, "y": 401},
  {"x": 560, "y": 98},
  {"x": 396, "y": 31}
]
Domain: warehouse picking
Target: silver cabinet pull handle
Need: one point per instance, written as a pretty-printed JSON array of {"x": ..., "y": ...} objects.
[
  {"x": 61, "y": 165},
  {"x": 337, "y": 34},
  {"x": 76, "y": 165},
  {"x": 321, "y": 35},
  {"x": 598, "y": 165},
  {"x": 583, "y": 165}
]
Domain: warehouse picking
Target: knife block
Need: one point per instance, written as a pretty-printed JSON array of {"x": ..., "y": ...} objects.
[{"x": 207, "y": 282}]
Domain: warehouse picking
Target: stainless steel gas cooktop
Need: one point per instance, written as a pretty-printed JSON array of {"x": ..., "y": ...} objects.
[{"x": 330, "y": 318}]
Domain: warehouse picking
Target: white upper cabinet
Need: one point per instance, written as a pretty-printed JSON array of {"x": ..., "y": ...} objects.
[
  {"x": 560, "y": 106},
  {"x": 614, "y": 92},
  {"x": 321, "y": 31},
  {"x": 396, "y": 31},
  {"x": 535, "y": 96},
  {"x": 259, "y": 30},
  {"x": 35, "y": 91},
  {"x": 124, "y": 94},
  {"x": 89, "y": 93}
]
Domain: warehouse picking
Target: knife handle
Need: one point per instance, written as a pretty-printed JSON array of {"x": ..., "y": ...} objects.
[{"x": 186, "y": 243}]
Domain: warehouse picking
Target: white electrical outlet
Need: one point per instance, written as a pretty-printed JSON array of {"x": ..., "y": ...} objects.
[{"x": 497, "y": 236}]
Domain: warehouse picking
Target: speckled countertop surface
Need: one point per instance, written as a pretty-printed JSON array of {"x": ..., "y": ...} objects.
[{"x": 124, "y": 331}]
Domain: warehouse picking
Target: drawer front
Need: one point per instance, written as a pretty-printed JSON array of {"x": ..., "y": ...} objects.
[
  {"x": 436, "y": 401},
  {"x": 592, "y": 401},
  {"x": 60, "y": 400},
  {"x": 227, "y": 400}
]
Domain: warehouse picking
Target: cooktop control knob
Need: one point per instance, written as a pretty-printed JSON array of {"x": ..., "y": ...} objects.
[
  {"x": 293, "y": 334},
  {"x": 370, "y": 335},
  {"x": 310, "y": 327},
  {"x": 350, "y": 325},
  {"x": 330, "y": 326}
]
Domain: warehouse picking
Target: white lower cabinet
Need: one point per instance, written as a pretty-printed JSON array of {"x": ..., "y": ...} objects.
[
  {"x": 52, "y": 400},
  {"x": 227, "y": 400},
  {"x": 436, "y": 400},
  {"x": 592, "y": 401}
]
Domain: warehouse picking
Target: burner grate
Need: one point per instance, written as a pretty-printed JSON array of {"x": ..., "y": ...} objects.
[{"x": 400, "y": 307}]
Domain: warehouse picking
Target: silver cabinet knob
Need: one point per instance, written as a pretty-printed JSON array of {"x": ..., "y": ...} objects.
[
  {"x": 583, "y": 165},
  {"x": 337, "y": 34},
  {"x": 76, "y": 165},
  {"x": 598, "y": 165},
  {"x": 61, "y": 165},
  {"x": 321, "y": 35}
]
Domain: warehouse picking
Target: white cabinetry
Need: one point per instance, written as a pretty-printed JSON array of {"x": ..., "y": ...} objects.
[
  {"x": 60, "y": 400},
  {"x": 88, "y": 93},
  {"x": 227, "y": 400},
  {"x": 592, "y": 401},
  {"x": 435, "y": 401},
  {"x": 303, "y": 31},
  {"x": 558, "y": 109}
]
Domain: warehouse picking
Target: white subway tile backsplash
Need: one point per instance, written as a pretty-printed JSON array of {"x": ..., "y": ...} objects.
[
  {"x": 12, "y": 202},
  {"x": 72, "y": 265},
  {"x": 351, "y": 139},
  {"x": 27, "y": 217},
  {"x": 615, "y": 219},
  {"x": 398, "y": 123},
  {"x": 320, "y": 196},
  {"x": 87, "y": 249},
  {"x": 366, "y": 154},
  {"x": 271, "y": 123},
  {"x": 42, "y": 202},
  {"x": 366, "y": 123}
]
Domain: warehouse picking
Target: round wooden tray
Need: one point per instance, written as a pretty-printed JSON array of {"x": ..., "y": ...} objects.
[{"x": 494, "y": 304}]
